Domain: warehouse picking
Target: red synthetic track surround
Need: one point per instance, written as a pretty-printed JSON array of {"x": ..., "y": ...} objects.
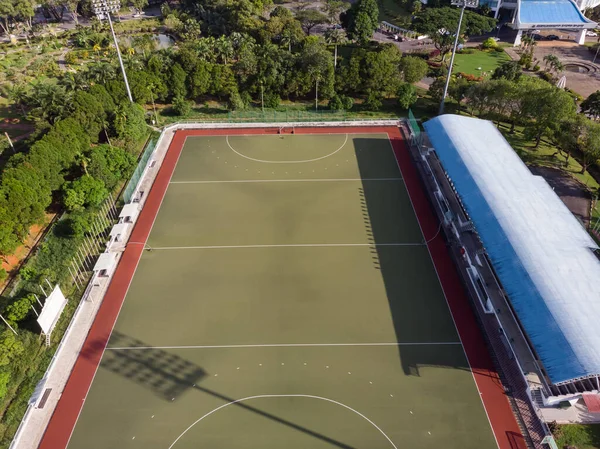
[{"x": 65, "y": 416}]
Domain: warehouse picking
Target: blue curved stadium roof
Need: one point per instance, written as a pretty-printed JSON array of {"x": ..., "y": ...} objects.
[
  {"x": 547, "y": 12},
  {"x": 541, "y": 253}
]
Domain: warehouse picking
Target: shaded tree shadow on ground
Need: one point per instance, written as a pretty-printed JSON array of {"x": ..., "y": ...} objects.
[{"x": 168, "y": 375}]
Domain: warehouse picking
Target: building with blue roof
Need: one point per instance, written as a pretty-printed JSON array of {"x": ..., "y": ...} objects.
[
  {"x": 535, "y": 15},
  {"x": 541, "y": 254}
]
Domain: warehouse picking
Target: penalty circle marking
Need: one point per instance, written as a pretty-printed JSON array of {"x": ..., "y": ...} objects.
[
  {"x": 285, "y": 162},
  {"x": 262, "y": 396}
]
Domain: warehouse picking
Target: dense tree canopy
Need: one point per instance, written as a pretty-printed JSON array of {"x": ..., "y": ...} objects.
[{"x": 440, "y": 25}]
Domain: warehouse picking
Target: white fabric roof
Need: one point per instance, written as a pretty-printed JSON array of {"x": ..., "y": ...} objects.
[
  {"x": 119, "y": 228},
  {"x": 106, "y": 261},
  {"x": 541, "y": 252},
  {"x": 130, "y": 210}
]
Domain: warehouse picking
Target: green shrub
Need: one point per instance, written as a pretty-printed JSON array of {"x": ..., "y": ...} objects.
[
  {"x": 489, "y": 43},
  {"x": 181, "y": 107},
  {"x": 27, "y": 273},
  {"x": 272, "y": 100},
  {"x": 536, "y": 68},
  {"x": 498, "y": 49},
  {"x": 71, "y": 58},
  {"x": 3, "y": 275},
  {"x": 467, "y": 51}
]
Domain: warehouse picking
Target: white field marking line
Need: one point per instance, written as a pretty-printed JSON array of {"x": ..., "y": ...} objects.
[
  {"x": 286, "y": 180},
  {"x": 298, "y": 245},
  {"x": 284, "y": 162},
  {"x": 262, "y": 396},
  {"x": 285, "y": 345},
  {"x": 128, "y": 285},
  {"x": 445, "y": 296}
]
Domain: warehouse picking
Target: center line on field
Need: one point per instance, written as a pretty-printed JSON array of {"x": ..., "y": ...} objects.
[
  {"x": 285, "y": 180},
  {"x": 299, "y": 245},
  {"x": 284, "y": 345}
]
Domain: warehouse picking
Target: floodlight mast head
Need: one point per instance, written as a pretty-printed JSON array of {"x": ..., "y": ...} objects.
[
  {"x": 103, "y": 9},
  {"x": 463, "y": 4}
]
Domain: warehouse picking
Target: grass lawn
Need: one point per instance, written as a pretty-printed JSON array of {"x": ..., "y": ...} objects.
[
  {"x": 470, "y": 64},
  {"x": 582, "y": 436}
]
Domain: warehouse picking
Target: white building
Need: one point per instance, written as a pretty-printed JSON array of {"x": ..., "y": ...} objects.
[{"x": 530, "y": 15}]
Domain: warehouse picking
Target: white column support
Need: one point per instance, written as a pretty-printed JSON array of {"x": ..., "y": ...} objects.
[
  {"x": 581, "y": 37},
  {"x": 518, "y": 38}
]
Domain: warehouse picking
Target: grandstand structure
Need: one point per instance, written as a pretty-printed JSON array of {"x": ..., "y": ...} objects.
[{"x": 527, "y": 262}]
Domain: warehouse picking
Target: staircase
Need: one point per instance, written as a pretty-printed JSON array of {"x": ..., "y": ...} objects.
[{"x": 538, "y": 397}]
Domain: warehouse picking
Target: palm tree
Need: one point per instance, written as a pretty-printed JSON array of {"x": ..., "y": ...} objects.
[
  {"x": 73, "y": 81},
  {"x": 83, "y": 161},
  {"x": 17, "y": 93},
  {"x": 224, "y": 48},
  {"x": 206, "y": 49},
  {"x": 554, "y": 63},
  {"x": 336, "y": 37}
]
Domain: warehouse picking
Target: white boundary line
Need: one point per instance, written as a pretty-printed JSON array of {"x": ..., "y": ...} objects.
[
  {"x": 130, "y": 280},
  {"x": 284, "y": 162},
  {"x": 299, "y": 245},
  {"x": 286, "y": 345},
  {"x": 286, "y": 180},
  {"x": 443, "y": 291},
  {"x": 262, "y": 396}
]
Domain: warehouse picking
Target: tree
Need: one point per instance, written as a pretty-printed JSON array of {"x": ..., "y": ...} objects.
[
  {"x": 440, "y": 24},
  {"x": 590, "y": 145},
  {"x": 20, "y": 308},
  {"x": 83, "y": 192},
  {"x": 89, "y": 113},
  {"x": 310, "y": 18},
  {"x": 362, "y": 28},
  {"x": 129, "y": 122},
  {"x": 510, "y": 70},
  {"x": 10, "y": 347},
  {"x": 336, "y": 37},
  {"x": 317, "y": 63},
  {"x": 109, "y": 164},
  {"x": 568, "y": 136},
  {"x": 139, "y": 4},
  {"x": 546, "y": 106},
  {"x": 181, "y": 106},
  {"x": 413, "y": 68},
  {"x": 381, "y": 73},
  {"x": 177, "y": 84},
  {"x": 224, "y": 49},
  {"x": 554, "y": 63},
  {"x": 407, "y": 95},
  {"x": 591, "y": 105},
  {"x": 333, "y": 9},
  {"x": 72, "y": 5}
]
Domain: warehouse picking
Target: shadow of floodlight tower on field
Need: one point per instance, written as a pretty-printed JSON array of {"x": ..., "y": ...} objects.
[{"x": 168, "y": 375}]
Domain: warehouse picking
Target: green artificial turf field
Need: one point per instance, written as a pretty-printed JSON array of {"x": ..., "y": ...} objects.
[{"x": 288, "y": 301}]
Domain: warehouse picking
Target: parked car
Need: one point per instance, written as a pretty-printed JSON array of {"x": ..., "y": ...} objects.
[
  {"x": 552, "y": 37},
  {"x": 591, "y": 34},
  {"x": 537, "y": 37}
]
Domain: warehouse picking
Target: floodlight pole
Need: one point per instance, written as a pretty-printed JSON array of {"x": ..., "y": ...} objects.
[
  {"x": 463, "y": 4},
  {"x": 9, "y": 326},
  {"x": 112, "y": 30}
]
